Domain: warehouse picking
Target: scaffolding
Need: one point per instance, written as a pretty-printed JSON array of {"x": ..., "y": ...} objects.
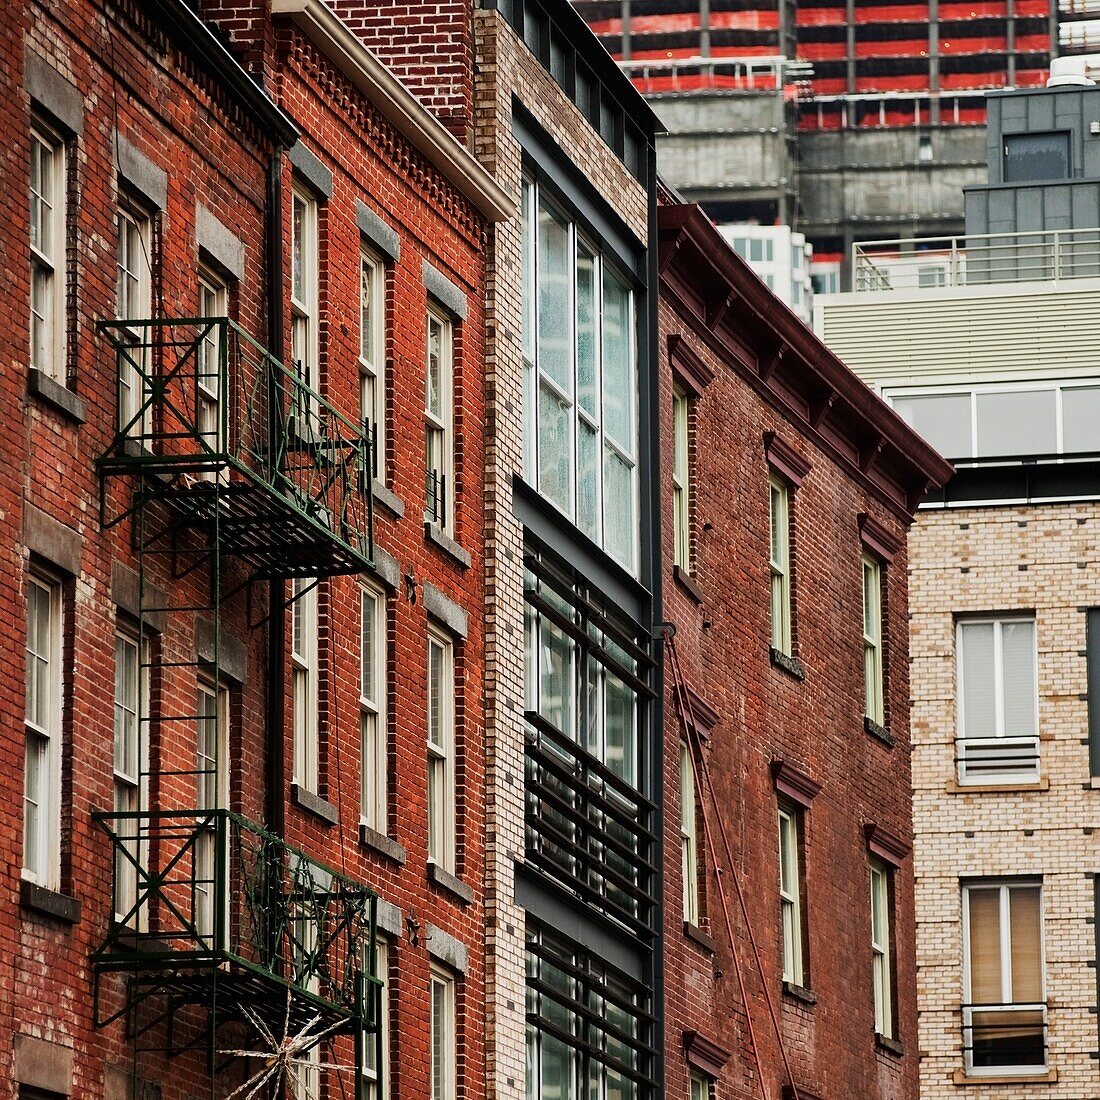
[{"x": 230, "y": 469}]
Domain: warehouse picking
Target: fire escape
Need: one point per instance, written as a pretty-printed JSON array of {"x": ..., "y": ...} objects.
[{"x": 233, "y": 470}]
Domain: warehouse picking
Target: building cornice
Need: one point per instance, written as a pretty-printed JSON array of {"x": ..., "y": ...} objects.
[
  {"x": 771, "y": 348},
  {"x": 397, "y": 104}
]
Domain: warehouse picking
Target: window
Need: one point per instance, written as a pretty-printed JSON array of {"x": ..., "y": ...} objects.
[
  {"x": 42, "y": 776},
  {"x": 1004, "y": 1014},
  {"x": 212, "y": 781},
  {"x": 376, "y": 1045},
  {"x": 213, "y": 380},
  {"x": 441, "y": 781},
  {"x": 443, "y": 1040},
  {"x": 881, "y": 948},
  {"x": 874, "y": 702},
  {"x": 588, "y": 1029},
  {"x": 130, "y": 768},
  {"x": 580, "y": 379},
  {"x": 47, "y": 229},
  {"x": 372, "y": 708},
  {"x": 438, "y": 441},
  {"x": 689, "y": 853},
  {"x": 304, "y": 301},
  {"x": 780, "y": 565},
  {"x": 998, "y": 721},
  {"x": 698, "y": 1087},
  {"x": 372, "y": 355},
  {"x": 306, "y": 678},
  {"x": 134, "y": 302},
  {"x": 790, "y": 895},
  {"x": 1036, "y": 156},
  {"x": 681, "y": 480}
]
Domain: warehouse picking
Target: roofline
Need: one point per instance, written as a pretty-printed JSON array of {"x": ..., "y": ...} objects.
[
  {"x": 400, "y": 107},
  {"x": 193, "y": 35},
  {"x": 725, "y": 271}
]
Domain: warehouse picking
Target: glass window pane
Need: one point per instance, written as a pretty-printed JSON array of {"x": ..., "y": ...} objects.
[
  {"x": 588, "y": 479},
  {"x": 977, "y": 680},
  {"x": 985, "y": 946},
  {"x": 618, "y": 373},
  {"x": 1018, "y": 655},
  {"x": 555, "y": 337},
  {"x": 556, "y": 679},
  {"x": 618, "y": 508},
  {"x": 1025, "y": 938},
  {"x": 587, "y": 320},
  {"x": 1081, "y": 419},
  {"x": 555, "y": 449},
  {"x": 619, "y": 728},
  {"x": 1014, "y": 423},
  {"x": 943, "y": 419}
]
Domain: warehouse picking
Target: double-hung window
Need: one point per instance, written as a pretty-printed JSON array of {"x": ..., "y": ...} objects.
[
  {"x": 681, "y": 480},
  {"x": 699, "y": 1087},
  {"x": 130, "y": 767},
  {"x": 305, "y": 663},
  {"x": 372, "y": 353},
  {"x": 42, "y": 776},
  {"x": 134, "y": 302},
  {"x": 47, "y": 232},
  {"x": 581, "y": 398},
  {"x": 881, "y": 975},
  {"x": 438, "y": 421},
  {"x": 376, "y": 1044},
  {"x": 304, "y": 301},
  {"x": 212, "y": 783},
  {"x": 212, "y": 387},
  {"x": 874, "y": 702},
  {"x": 780, "y": 525},
  {"x": 443, "y": 1041},
  {"x": 998, "y": 721},
  {"x": 441, "y": 750},
  {"x": 372, "y": 708},
  {"x": 689, "y": 847},
  {"x": 1004, "y": 1009},
  {"x": 790, "y": 895}
]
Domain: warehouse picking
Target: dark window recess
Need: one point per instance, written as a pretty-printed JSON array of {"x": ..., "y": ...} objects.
[
  {"x": 1092, "y": 662},
  {"x": 1036, "y": 157}
]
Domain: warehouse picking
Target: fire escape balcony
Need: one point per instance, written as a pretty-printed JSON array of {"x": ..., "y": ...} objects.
[
  {"x": 213, "y": 910},
  {"x": 238, "y": 447}
]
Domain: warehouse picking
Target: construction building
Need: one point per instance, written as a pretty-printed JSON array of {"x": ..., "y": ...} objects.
[
  {"x": 789, "y": 930},
  {"x": 988, "y": 347},
  {"x": 847, "y": 122}
]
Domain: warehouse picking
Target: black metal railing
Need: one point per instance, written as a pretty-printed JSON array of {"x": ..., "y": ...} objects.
[
  {"x": 435, "y": 497},
  {"x": 1000, "y": 1037},
  {"x": 587, "y": 828},
  {"x": 997, "y": 759}
]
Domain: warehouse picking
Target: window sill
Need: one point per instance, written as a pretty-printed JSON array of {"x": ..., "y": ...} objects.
[
  {"x": 382, "y": 844},
  {"x": 880, "y": 733},
  {"x": 314, "y": 804},
  {"x": 959, "y": 1077},
  {"x": 52, "y": 392},
  {"x": 387, "y": 498},
  {"x": 696, "y": 934},
  {"x": 451, "y": 883},
  {"x": 889, "y": 1045},
  {"x": 953, "y": 787},
  {"x": 687, "y": 582},
  {"x": 799, "y": 993},
  {"x": 435, "y": 534},
  {"x": 50, "y": 903},
  {"x": 792, "y": 666}
]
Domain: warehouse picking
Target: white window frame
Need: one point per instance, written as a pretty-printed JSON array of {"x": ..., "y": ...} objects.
[
  {"x": 698, "y": 1086},
  {"x": 874, "y": 700},
  {"x": 373, "y": 686},
  {"x": 377, "y": 1077},
  {"x": 43, "y": 733},
  {"x": 131, "y": 782},
  {"x": 212, "y": 793},
  {"x": 689, "y": 841},
  {"x": 881, "y": 976},
  {"x": 443, "y": 1036},
  {"x": 681, "y": 479},
  {"x": 779, "y": 513},
  {"x": 212, "y": 379},
  {"x": 304, "y": 287},
  {"x": 439, "y": 422},
  {"x": 538, "y": 382},
  {"x": 1004, "y": 887},
  {"x": 983, "y": 751},
  {"x": 372, "y": 354},
  {"x": 441, "y": 754},
  {"x": 306, "y": 676},
  {"x": 47, "y": 247},
  {"x": 134, "y": 302},
  {"x": 790, "y": 895}
]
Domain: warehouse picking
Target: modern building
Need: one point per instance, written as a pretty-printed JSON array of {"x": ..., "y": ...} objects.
[
  {"x": 789, "y": 931},
  {"x": 782, "y": 258},
  {"x": 997, "y": 367},
  {"x": 242, "y": 474},
  {"x": 847, "y": 122}
]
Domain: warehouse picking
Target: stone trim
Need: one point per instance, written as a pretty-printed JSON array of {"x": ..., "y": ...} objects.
[
  {"x": 887, "y": 847},
  {"x": 51, "y": 540},
  {"x": 444, "y": 610},
  {"x": 794, "y": 784},
  {"x": 446, "y": 949},
  {"x": 704, "y": 1054},
  {"x": 785, "y": 460},
  {"x": 43, "y": 1065},
  {"x": 147, "y": 179},
  {"x": 877, "y": 539},
  {"x": 224, "y": 247},
  {"x": 689, "y": 369},
  {"x": 309, "y": 169},
  {"x": 382, "y": 844},
  {"x": 380, "y": 236},
  {"x": 448, "y": 294},
  {"x": 451, "y": 883},
  {"x": 314, "y": 804},
  {"x": 50, "y": 91},
  {"x": 232, "y": 653},
  {"x": 45, "y": 388}
]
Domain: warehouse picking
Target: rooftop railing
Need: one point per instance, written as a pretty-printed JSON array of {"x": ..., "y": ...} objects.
[{"x": 924, "y": 263}]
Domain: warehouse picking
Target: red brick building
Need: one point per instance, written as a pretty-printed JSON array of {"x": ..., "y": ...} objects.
[
  {"x": 789, "y": 489},
  {"x": 242, "y": 470}
]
